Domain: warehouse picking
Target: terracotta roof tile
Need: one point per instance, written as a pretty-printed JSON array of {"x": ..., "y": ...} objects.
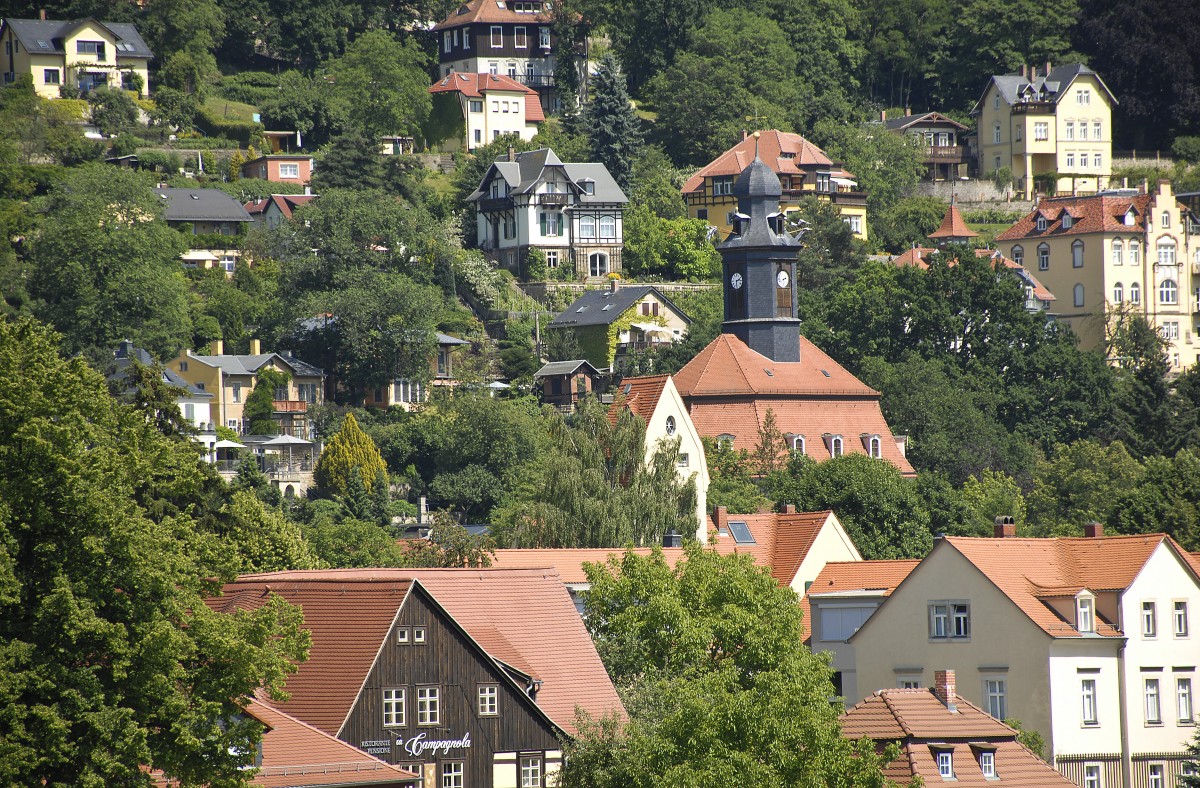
[
  {"x": 881, "y": 576},
  {"x": 286, "y": 203},
  {"x": 487, "y": 11},
  {"x": 1094, "y": 214},
  {"x": 641, "y": 397},
  {"x": 785, "y": 153},
  {"x": 547, "y": 641},
  {"x": 917, "y": 719},
  {"x": 728, "y": 366},
  {"x": 953, "y": 225},
  {"x": 1029, "y": 570},
  {"x": 477, "y": 85}
]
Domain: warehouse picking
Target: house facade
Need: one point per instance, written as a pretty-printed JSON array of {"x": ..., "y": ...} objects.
[
  {"x": 231, "y": 378},
  {"x": 480, "y": 108},
  {"x": 939, "y": 139},
  {"x": 1056, "y": 123},
  {"x": 194, "y": 403},
  {"x": 1115, "y": 253},
  {"x": 563, "y": 383},
  {"x": 573, "y": 213},
  {"x": 276, "y": 209},
  {"x": 803, "y": 170},
  {"x": 432, "y": 671},
  {"x": 77, "y": 56},
  {"x": 1088, "y": 641},
  {"x": 407, "y": 394},
  {"x": 616, "y": 320},
  {"x": 280, "y": 168},
  {"x": 205, "y": 211},
  {"x": 511, "y": 38}
]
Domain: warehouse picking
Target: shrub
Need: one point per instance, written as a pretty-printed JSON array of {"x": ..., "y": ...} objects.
[
  {"x": 248, "y": 87},
  {"x": 1187, "y": 149}
]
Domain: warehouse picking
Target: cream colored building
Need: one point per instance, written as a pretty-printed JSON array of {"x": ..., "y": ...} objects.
[
  {"x": 491, "y": 107},
  {"x": 1087, "y": 641},
  {"x": 1116, "y": 252},
  {"x": 78, "y": 55},
  {"x": 1058, "y": 121}
]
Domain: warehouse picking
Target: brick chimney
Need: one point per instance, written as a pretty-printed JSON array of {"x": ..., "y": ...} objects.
[
  {"x": 216, "y": 348},
  {"x": 944, "y": 689},
  {"x": 789, "y": 508},
  {"x": 1093, "y": 530},
  {"x": 908, "y": 112},
  {"x": 614, "y": 285},
  {"x": 1024, "y": 70},
  {"x": 1004, "y": 527},
  {"x": 42, "y": 14},
  {"x": 1033, "y": 73},
  {"x": 721, "y": 518},
  {"x": 255, "y": 347},
  {"x": 1048, "y": 69},
  {"x": 512, "y": 153}
]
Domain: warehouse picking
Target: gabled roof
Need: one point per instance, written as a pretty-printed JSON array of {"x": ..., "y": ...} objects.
[
  {"x": 126, "y": 354},
  {"x": 918, "y": 255},
  {"x": 528, "y": 171},
  {"x": 783, "y": 152},
  {"x": 880, "y": 577},
  {"x": 902, "y": 123},
  {"x": 249, "y": 365},
  {"x": 1100, "y": 213},
  {"x": 639, "y": 395},
  {"x": 285, "y": 203},
  {"x": 555, "y": 368},
  {"x": 489, "y": 11},
  {"x": 1013, "y": 87},
  {"x": 603, "y": 307},
  {"x": 727, "y": 366},
  {"x": 480, "y": 85},
  {"x": 953, "y": 225},
  {"x": 546, "y": 641},
  {"x": 1029, "y": 571},
  {"x": 32, "y": 33},
  {"x": 201, "y": 205},
  {"x": 781, "y": 543},
  {"x": 923, "y": 726}
]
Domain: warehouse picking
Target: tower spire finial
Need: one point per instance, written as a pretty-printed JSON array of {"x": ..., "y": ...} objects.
[{"x": 757, "y": 134}]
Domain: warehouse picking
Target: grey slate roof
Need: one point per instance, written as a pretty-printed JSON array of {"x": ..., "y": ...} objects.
[
  {"x": 126, "y": 354},
  {"x": 1056, "y": 82},
  {"x": 602, "y": 307},
  {"x": 201, "y": 205},
  {"x": 52, "y": 31},
  {"x": 555, "y": 368},
  {"x": 524, "y": 174},
  {"x": 248, "y": 365},
  {"x": 894, "y": 124}
]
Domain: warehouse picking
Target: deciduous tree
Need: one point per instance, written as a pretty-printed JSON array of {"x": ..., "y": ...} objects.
[{"x": 380, "y": 86}]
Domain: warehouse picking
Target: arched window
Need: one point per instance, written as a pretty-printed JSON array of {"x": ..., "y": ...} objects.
[
  {"x": 1077, "y": 254},
  {"x": 798, "y": 446},
  {"x": 608, "y": 227},
  {"x": 1041, "y": 224},
  {"x": 587, "y": 227},
  {"x": 670, "y": 425},
  {"x": 1135, "y": 252},
  {"x": 1043, "y": 257},
  {"x": 1018, "y": 255},
  {"x": 1118, "y": 293},
  {"x": 598, "y": 264},
  {"x": 1118, "y": 252},
  {"x": 1078, "y": 295},
  {"x": 1168, "y": 292},
  {"x": 1166, "y": 251},
  {"x": 1135, "y": 293},
  {"x": 1165, "y": 219},
  {"x": 875, "y": 446}
]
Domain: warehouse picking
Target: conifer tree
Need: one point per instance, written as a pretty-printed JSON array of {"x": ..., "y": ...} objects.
[
  {"x": 613, "y": 126},
  {"x": 260, "y": 405},
  {"x": 1191, "y": 778},
  {"x": 350, "y": 448}
]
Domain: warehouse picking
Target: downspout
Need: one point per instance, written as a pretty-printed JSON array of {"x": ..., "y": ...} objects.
[{"x": 1123, "y": 706}]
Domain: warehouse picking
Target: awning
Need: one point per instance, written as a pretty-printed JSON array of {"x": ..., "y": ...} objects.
[
  {"x": 843, "y": 181},
  {"x": 651, "y": 328},
  {"x": 287, "y": 440},
  {"x": 224, "y": 444}
]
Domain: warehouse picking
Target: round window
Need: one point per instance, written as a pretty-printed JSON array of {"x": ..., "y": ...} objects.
[{"x": 670, "y": 425}]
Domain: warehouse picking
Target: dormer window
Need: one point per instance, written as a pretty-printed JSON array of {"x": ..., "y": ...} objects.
[
  {"x": 797, "y": 444},
  {"x": 1085, "y": 612},
  {"x": 987, "y": 763},
  {"x": 1067, "y": 221},
  {"x": 873, "y": 444},
  {"x": 945, "y": 763},
  {"x": 834, "y": 444},
  {"x": 725, "y": 441},
  {"x": 1041, "y": 224},
  {"x": 775, "y": 222},
  {"x": 589, "y": 187}
]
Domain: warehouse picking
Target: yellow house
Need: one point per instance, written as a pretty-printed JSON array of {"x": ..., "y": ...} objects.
[
  {"x": 1057, "y": 122},
  {"x": 803, "y": 169},
  {"x": 1120, "y": 251},
  {"x": 78, "y": 55}
]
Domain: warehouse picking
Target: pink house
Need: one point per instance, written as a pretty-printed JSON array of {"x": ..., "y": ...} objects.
[{"x": 280, "y": 168}]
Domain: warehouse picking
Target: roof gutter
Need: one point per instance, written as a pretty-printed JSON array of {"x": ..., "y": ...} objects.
[{"x": 1123, "y": 706}]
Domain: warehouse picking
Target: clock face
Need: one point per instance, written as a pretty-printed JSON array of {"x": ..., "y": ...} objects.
[
  {"x": 736, "y": 281},
  {"x": 782, "y": 278}
]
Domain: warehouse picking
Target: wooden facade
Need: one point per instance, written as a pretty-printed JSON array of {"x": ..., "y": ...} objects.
[{"x": 427, "y": 650}]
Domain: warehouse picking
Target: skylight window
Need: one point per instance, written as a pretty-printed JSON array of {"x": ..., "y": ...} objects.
[
  {"x": 606, "y": 307},
  {"x": 42, "y": 44},
  {"x": 741, "y": 532}
]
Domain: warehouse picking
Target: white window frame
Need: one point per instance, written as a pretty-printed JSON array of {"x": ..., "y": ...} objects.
[
  {"x": 1018, "y": 254},
  {"x": 945, "y": 763},
  {"x": 1070, "y": 161},
  {"x": 1070, "y": 126},
  {"x": 520, "y": 39},
  {"x": 1089, "y": 705},
  {"x": 429, "y": 708},
  {"x": 1165, "y": 219},
  {"x": 1168, "y": 292},
  {"x": 1118, "y": 293},
  {"x": 987, "y": 763},
  {"x": 1135, "y": 252},
  {"x": 607, "y": 227},
  {"x": 598, "y": 264},
  {"x": 995, "y": 696},
  {"x": 1154, "y": 776},
  {"x": 544, "y": 37},
  {"x": 939, "y": 620},
  {"x": 453, "y": 774},
  {"x": 1043, "y": 253},
  {"x": 1085, "y": 610},
  {"x": 996, "y": 134},
  {"x": 1135, "y": 293},
  {"x": 531, "y": 771},
  {"x": 1042, "y": 224},
  {"x": 289, "y": 170},
  {"x": 1152, "y": 700},
  {"x": 393, "y": 707},
  {"x": 1041, "y": 131},
  {"x": 551, "y": 258},
  {"x": 1118, "y": 252},
  {"x": 1165, "y": 249},
  {"x": 1097, "y": 133},
  {"x": 497, "y": 37},
  {"x": 1091, "y": 776},
  {"x": 1097, "y": 161},
  {"x": 1185, "y": 710},
  {"x": 488, "y": 700},
  {"x": 587, "y": 227},
  {"x": 1179, "y": 615}
]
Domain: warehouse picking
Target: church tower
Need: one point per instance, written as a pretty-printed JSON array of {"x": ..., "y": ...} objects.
[{"x": 759, "y": 264}]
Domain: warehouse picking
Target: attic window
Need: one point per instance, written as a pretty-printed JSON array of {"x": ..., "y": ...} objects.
[
  {"x": 580, "y": 309},
  {"x": 1041, "y": 223},
  {"x": 43, "y": 44},
  {"x": 770, "y": 374},
  {"x": 606, "y": 307},
  {"x": 195, "y": 196},
  {"x": 826, "y": 373},
  {"x": 741, "y": 532},
  {"x": 1067, "y": 221},
  {"x": 1085, "y": 612}
]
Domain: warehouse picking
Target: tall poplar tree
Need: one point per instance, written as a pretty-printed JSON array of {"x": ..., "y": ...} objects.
[{"x": 613, "y": 127}]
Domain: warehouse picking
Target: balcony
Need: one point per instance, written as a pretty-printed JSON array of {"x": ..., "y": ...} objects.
[
  {"x": 1033, "y": 108},
  {"x": 495, "y": 204},
  {"x": 552, "y": 199},
  {"x": 944, "y": 154},
  {"x": 536, "y": 80},
  {"x": 290, "y": 406}
]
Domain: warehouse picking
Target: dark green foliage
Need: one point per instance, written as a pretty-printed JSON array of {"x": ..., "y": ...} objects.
[
  {"x": 380, "y": 86},
  {"x": 908, "y": 223},
  {"x": 613, "y": 128},
  {"x": 112, "y": 110},
  {"x": 302, "y": 103},
  {"x": 677, "y": 249},
  {"x": 731, "y": 479},
  {"x": 260, "y": 404},
  {"x": 1193, "y": 752}
]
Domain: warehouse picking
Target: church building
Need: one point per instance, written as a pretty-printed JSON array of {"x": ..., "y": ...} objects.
[{"x": 761, "y": 363}]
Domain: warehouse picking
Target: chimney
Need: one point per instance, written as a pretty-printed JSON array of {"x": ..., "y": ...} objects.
[
  {"x": 1047, "y": 68},
  {"x": 789, "y": 508},
  {"x": 908, "y": 112},
  {"x": 1024, "y": 70},
  {"x": 512, "y": 153},
  {"x": 1005, "y": 527},
  {"x": 1093, "y": 530},
  {"x": 1033, "y": 73},
  {"x": 745, "y": 134},
  {"x": 721, "y": 518},
  {"x": 943, "y": 688},
  {"x": 882, "y": 115},
  {"x": 672, "y": 538},
  {"x": 255, "y": 347},
  {"x": 42, "y": 15},
  {"x": 614, "y": 285},
  {"x": 216, "y": 348}
]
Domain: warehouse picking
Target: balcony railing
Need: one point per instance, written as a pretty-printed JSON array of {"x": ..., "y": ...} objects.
[
  {"x": 492, "y": 204},
  {"x": 536, "y": 80},
  {"x": 1033, "y": 108},
  {"x": 552, "y": 199},
  {"x": 944, "y": 153},
  {"x": 290, "y": 406}
]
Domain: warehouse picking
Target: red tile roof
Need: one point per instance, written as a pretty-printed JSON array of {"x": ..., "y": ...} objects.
[
  {"x": 881, "y": 577},
  {"x": 548, "y": 641},
  {"x": 918, "y": 255},
  {"x": 479, "y": 85},
  {"x": 781, "y": 542},
  {"x": 728, "y": 366},
  {"x": 1094, "y": 214},
  {"x": 488, "y": 11},
  {"x": 641, "y": 398},
  {"x": 286, "y": 203},
  {"x": 785, "y": 153},
  {"x": 953, "y": 225},
  {"x": 1029, "y": 571},
  {"x": 917, "y": 719}
]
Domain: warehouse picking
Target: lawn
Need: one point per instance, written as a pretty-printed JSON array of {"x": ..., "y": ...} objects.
[{"x": 229, "y": 110}]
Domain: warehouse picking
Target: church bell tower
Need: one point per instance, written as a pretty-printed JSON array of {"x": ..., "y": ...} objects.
[{"x": 758, "y": 260}]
